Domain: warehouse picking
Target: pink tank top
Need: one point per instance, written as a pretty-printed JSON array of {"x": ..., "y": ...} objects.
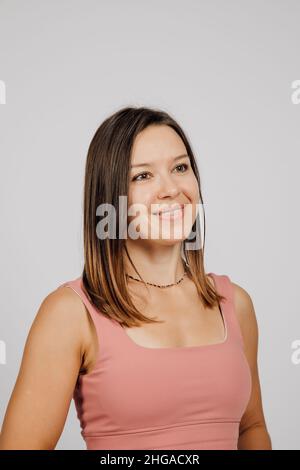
[{"x": 138, "y": 397}]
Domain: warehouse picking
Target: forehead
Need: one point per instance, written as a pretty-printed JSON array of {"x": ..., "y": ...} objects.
[{"x": 157, "y": 143}]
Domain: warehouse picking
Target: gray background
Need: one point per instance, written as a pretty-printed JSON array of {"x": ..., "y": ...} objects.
[{"x": 224, "y": 70}]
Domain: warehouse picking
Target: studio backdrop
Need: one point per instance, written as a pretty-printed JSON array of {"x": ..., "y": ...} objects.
[{"x": 229, "y": 72}]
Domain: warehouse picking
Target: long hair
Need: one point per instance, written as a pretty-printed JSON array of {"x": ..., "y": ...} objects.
[{"x": 106, "y": 179}]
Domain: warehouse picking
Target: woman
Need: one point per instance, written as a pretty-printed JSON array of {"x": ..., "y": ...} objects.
[{"x": 156, "y": 353}]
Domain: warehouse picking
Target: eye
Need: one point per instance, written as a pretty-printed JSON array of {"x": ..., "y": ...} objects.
[
  {"x": 184, "y": 165},
  {"x": 136, "y": 177}
]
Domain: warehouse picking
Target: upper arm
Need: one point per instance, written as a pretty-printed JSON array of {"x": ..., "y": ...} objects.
[
  {"x": 244, "y": 308},
  {"x": 51, "y": 361}
]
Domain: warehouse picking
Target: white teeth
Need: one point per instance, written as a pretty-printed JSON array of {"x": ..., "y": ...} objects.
[
  {"x": 169, "y": 210},
  {"x": 173, "y": 210}
]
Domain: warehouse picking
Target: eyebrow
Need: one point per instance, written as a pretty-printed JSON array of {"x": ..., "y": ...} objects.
[{"x": 149, "y": 164}]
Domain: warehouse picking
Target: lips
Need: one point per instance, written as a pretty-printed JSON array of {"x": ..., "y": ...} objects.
[
  {"x": 176, "y": 214},
  {"x": 169, "y": 209}
]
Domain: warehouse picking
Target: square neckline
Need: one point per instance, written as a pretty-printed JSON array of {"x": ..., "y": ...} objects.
[{"x": 185, "y": 348}]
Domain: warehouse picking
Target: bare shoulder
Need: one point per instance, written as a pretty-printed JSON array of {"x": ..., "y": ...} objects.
[
  {"x": 244, "y": 304},
  {"x": 246, "y": 315},
  {"x": 63, "y": 315},
  {"x": 61, "y": 307}
]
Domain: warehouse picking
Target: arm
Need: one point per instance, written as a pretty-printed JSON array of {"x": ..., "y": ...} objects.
[
  {"x": 253, "y": 433},
  {"x": 51, "y": 361}
]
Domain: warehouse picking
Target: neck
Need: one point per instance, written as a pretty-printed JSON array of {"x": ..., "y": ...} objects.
[{"x": 162, "y": 266}]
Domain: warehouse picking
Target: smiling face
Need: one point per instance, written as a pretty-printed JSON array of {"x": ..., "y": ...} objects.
[{"x": 161, "y": 179}]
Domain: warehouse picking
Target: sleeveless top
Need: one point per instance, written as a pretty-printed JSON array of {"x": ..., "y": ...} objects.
[{"x": 138, "y": 397}]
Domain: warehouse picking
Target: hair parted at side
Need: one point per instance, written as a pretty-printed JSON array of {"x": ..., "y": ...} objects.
[{"x": 106, "y": 178}]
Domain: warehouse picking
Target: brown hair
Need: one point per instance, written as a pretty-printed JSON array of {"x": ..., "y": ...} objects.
[{"x": 107, "y": 178}]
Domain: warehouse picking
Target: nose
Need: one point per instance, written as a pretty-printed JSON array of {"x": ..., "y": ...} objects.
[{"x": 168, "y": 187}]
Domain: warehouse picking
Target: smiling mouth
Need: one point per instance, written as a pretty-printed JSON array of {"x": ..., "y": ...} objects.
[
  {"x": 171, "y": 214},
  {"x": 169, "y": 208}
]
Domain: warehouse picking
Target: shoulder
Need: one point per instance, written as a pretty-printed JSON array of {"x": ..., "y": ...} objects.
[
  {"x": 62, "y": 316},
  {"x": 243, "y": 302},
  {"x": 60, "y": 305},
  {"x": 245, "y": 312}
]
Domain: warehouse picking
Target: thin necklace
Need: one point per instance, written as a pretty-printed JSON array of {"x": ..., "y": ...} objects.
[{"x": 157, "y": 285}]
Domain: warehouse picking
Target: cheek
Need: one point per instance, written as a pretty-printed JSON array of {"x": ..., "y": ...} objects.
[
  {"x": 138, "y": 196},
  {"x": 140, "y": 199},
  {"x": 191, "y": 189}
]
